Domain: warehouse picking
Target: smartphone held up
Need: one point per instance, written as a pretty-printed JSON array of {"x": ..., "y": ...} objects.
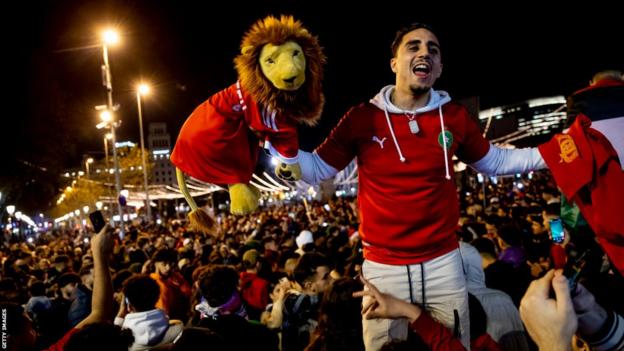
[
  {"x": 557, "y": 234},
  {"x": 97, "y": 220}
]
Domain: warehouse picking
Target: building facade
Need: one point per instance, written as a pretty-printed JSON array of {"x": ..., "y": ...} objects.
[
  {"x": 159, "y": 143},
  {"x": 528, "y": 123}
]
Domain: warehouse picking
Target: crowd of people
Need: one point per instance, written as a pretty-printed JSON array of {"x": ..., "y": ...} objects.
[
  {"x": 289, "y": 277},
  {"x": 423, "y": 259}
]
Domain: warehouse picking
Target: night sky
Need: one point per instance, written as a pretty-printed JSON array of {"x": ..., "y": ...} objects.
[{"x": 503, "y": 54}]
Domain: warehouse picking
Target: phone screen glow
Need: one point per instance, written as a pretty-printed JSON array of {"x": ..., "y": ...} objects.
[{"x": 556, "y": 230}]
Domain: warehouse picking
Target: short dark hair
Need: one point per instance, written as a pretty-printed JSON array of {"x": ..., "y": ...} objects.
[
  {"x": 68, "y": 278},
  {"x": 37, "y": 288},
  {"x": 165, "y": 255},
  {"x": 217, "y": 284},
  {"x": 484, "y": 246},
  {"x": 142, "y": 292},
  {"x": 511, "y": 235},
  {"x": 120, "y": 278},
  {"x": 553, "y": 209},
  {"x": 401, "y": 33},
  {"x": 307, "y": 265},
  {"x": 86, "y": 269}
]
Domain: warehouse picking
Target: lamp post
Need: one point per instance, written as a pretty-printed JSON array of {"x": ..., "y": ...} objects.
[
  {"x": 143, "y": 89},
  {"x": 107, "y": 137},
  {"x": 111, "y": 37},
  {"x": 10, "y": 210},
  {"x": 87, "y": 162}
]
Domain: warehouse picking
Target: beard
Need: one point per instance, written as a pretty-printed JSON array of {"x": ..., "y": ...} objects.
[{"x": 419, "y": 91}]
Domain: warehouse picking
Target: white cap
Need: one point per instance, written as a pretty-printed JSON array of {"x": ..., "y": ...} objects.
[{"x": 305, "y": 237}]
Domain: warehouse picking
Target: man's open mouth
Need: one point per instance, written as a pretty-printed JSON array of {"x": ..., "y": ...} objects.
[{"x": 421, "y": 69}]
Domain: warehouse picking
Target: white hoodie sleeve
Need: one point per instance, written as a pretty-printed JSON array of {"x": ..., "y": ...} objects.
[
  {"x": 499, "y": 161},
  {"x": 280, "y": 157},
  {"x": 313, "y": 169}
]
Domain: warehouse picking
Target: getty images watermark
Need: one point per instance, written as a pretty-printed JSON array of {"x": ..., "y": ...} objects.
[{"x": 4, "y": 329}]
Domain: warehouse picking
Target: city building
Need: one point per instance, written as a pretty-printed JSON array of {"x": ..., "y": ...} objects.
[
  {"x": 527, "y": 123},
  {"x": 159, "y": 143}
]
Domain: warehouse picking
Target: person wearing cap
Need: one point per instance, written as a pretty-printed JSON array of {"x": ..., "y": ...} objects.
[
  {"x": 254, "y": 289},
  {"x": 404, "y": 140},
  {"x": 175, "y": 292}
]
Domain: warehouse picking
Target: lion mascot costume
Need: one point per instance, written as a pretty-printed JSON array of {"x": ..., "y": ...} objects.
[{"x": 279, "y": 85}]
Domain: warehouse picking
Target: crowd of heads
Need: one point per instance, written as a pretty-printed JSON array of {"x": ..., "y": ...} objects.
[{"x": 304, "y": 259}]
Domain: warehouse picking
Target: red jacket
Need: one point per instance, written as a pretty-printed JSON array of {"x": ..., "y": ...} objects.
[
  {"x": 409, "y": 211},
  {"x": 586, "y": 168},
  {"x": 219, "y": 141},
  {"x": 254, "y": 290}
]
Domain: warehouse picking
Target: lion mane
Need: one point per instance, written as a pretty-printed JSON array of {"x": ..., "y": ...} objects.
[{"x": 304, "y": 104}]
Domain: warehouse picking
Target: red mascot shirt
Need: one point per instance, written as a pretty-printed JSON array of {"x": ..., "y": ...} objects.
[{"x": 219, "y": 141}]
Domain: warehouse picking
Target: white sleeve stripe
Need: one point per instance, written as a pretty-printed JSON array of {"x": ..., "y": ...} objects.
[{"x": 274, "y": 126}]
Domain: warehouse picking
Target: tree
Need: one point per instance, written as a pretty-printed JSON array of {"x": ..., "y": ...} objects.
[{"x": 85, "y": 192}]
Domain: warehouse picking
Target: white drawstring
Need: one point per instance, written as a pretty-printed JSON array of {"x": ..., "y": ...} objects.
[
  {"x": 448, "y": 173},
  {"x": 396, "y": 143},
  {"x": 398, "y": 148}
]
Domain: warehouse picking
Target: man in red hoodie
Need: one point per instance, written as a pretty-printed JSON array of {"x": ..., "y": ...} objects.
[
  {"x": 404, "y": 139},
  {"x": 254, "y": 289}
]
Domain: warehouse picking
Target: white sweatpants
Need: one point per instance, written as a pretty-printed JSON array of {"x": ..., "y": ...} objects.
[{"x": 438, "y": 284}]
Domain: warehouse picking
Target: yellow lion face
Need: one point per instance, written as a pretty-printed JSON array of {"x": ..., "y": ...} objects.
[{"x": 283, "y": 65}]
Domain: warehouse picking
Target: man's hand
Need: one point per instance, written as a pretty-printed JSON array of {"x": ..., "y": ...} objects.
[
  {"x": 102, "y": 299},
  {"x": 550, "y": 322},
  {"x": 102, "y": 244},
  {"x": 379, "y": 305},
  {"x": 287, "y": 172}
]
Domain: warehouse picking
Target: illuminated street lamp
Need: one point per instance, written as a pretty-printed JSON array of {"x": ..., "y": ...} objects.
[
  {"x": 143, "y": 89},
  {"x": 110, "y": 37},
  {"x": 87, "y": 162}
]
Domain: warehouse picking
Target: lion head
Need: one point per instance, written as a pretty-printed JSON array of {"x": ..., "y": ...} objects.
[{"x": 280, "y": 66}]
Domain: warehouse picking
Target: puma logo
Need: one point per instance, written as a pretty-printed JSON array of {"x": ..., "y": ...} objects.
[{"x": 380, "y": 142}]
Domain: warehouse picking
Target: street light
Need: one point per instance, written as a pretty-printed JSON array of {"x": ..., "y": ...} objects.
[
  {"x": 110, "y": 37},
  {"x": 143, "y": 89},
  {"x": 87, "y": 162},
  {"x": 10, "y": 210},
  {"x": 107, "y": 137}
]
